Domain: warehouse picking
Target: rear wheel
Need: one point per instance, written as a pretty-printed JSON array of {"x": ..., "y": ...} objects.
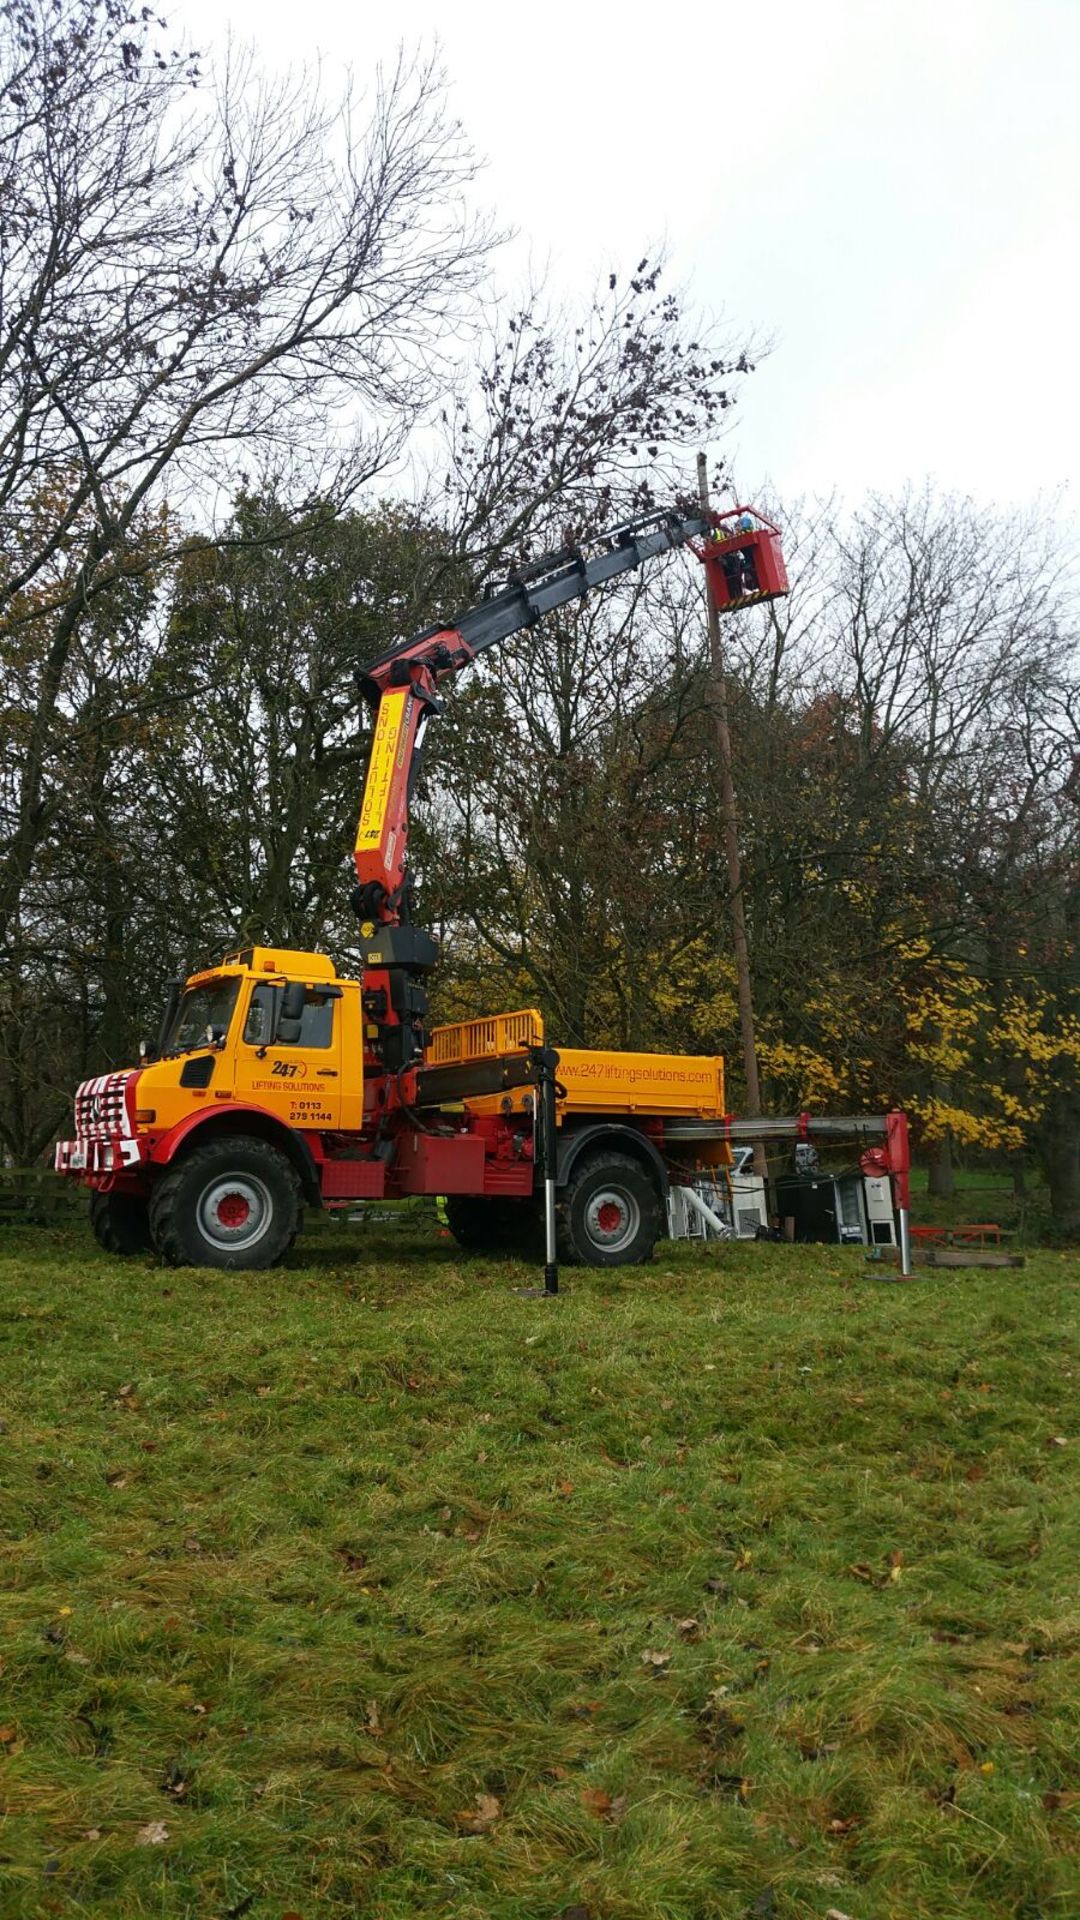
[
  {"x": 233, "y": 1203},
  {"x": 120, "y": 1222},
  {"x": 494, "y": 1226},
  {"x": 609, "y": 1214}
]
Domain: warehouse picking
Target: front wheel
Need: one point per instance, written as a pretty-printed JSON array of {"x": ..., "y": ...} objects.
[
  {"x": 120, "y": 1223},
  {"x": 609, "y": 1214},
  {"x": 234, "y": 1202}
]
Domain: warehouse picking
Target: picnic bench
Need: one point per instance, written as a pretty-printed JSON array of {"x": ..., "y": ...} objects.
[{"x": 979, "y": 1233}]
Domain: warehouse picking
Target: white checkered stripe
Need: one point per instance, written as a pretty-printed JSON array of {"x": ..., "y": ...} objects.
[
  {"x": 101, "y": 1109},
  {"x": 105, "y": 1141}
]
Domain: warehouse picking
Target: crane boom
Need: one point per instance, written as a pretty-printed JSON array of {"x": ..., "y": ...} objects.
[
  {"x": 401, "y": 684},
  {"x": 742, "y": 564},
  {"x": 538, "y": 589}
]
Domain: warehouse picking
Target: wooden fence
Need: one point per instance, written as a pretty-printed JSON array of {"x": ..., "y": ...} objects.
[{"x": 36, "y": 1196}]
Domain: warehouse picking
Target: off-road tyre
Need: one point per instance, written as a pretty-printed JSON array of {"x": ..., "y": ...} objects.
[
  {"x": 120, "y": 1223},
  {"x": 610, "y": 1212},
  {"x": 497, "y": 1225},
  {"x": 234, "y": 1202}
]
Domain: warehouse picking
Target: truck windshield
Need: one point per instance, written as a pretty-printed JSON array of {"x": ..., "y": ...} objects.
[{"x": 204, "y": 1009}]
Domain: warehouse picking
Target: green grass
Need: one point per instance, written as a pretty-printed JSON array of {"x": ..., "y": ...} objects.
[{"x": 345, "y": 1575}]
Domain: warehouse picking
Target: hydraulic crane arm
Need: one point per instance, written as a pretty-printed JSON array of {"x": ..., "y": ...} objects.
[
  {"x": 742, "y": 563},
  {"x": 401, "y": 683}
]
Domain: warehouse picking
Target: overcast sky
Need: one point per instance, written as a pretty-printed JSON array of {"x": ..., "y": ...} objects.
[{"x": 888, "y": 189}]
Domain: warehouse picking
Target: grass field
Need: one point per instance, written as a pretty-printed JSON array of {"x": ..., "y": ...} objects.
[{"x": 742, "y": 1584}]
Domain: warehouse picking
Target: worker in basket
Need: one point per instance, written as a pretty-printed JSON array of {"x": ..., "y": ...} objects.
[{"x": 740, "y": 570}]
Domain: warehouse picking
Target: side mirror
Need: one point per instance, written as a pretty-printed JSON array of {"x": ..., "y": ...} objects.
[
  {"x": 168, "y": 1016},
  {"x": 291, "y": 1013},
  {"x": 293, "y": 1001}
]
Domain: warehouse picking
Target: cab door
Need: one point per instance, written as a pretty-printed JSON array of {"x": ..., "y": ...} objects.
[{"x": 296, "y": 1075}]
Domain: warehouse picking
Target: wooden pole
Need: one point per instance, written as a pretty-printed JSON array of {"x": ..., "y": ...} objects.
[{"x": 731, "y": 848}]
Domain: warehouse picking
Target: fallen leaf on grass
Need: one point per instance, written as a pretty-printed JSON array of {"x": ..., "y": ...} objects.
[
  {"x": 834, "y": 1913},
  {"x": 743, "y": 1561},
  {"x": 844, "y": 1826},
  {"x": 650, "y": 1658},
  {"x": 479, "y": 1818},
  {"x": 8, "y": 1736},
  {"x": 92, "y": 1833},
  {"x": 602, "y": 1806},
  {"x": 1060, "y": 1800},
  {"x": 564, "y": 1488},
  {"x": 154, "y": 1834},
  {"x": 861, "y": 1571},
  {"x": 371, "y": 1718},
  {"x": 688, "y": 1629},
  {"x": 1057, "y": 1440}
]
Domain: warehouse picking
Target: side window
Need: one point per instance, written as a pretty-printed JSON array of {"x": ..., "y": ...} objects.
[
  {"x": 257, "y": 1027},
  {"x": 316, "y": 1021}
]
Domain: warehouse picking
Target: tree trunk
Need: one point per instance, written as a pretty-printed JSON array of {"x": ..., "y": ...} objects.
[
  {"x": 942, "y": 1180},
  {"x": 1060, "y": 1143}
]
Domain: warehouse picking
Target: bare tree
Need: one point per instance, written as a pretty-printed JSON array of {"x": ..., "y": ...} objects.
[
  {"x": 189, "y": 275},
  {"x": 579, "y": 415}
]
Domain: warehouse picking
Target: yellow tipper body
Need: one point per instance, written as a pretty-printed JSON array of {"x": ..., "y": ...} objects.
[
  {"x": 596, "y": 1079},
  {"x": 663, "y": 1083}
]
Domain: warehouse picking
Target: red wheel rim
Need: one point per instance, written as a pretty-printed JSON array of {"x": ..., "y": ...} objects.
[{"x": 234, "y": 1210}]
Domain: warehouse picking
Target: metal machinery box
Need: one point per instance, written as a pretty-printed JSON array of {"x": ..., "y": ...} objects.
[
  {"x": 880, "y": 1217},
  {"x": 748, "y": 1204},
  {"x": 845, "y": 1208},
  {"x": 439, "y": 1163}
]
